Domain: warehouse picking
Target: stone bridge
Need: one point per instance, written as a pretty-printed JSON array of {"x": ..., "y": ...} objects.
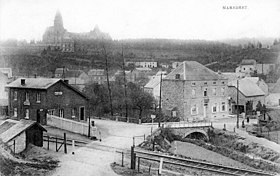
[{"x": 191, "y": 130}]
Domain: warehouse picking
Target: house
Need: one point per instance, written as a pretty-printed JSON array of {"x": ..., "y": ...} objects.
[
  {"x": 273, "y": 100},
  {"x": 97, "y": 76},
  {"x": 265, "y": 68},
  {"x": 3, "y": 95},
  {"x": 249, "y": 94},
  {"x": 7, "y": 72},
  {"x": 18, "y": 134},
  {"x": 194, "y": 92},
  {"x": 247, "y": 67},
  {"x": 76, "y": 78},
  {"x": 33, "y": 98},
  {"x": 153, "y": 86},
  {"x": 143, "y": 64}
]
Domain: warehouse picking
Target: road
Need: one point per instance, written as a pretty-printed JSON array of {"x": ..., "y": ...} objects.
[{"x": 94, "y": 162}]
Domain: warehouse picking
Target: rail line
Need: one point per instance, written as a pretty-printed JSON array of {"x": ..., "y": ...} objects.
[{"x": 202, "y": 165}]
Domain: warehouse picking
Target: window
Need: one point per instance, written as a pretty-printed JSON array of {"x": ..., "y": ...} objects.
[
  {"x": 205, "y": 92},
  {"x": 26, "y": 96},
  {"x": 51, "y": 112},
  {"x": 214, "y": 91},
  {"x": 243, "y": 68},
  {"x": 174, "y": 113},
  {"x": 193, "y": 83},
  {"x": 214, "y": 108},
  {"x": 205, "y": 83},
  {"x": 223, "y": 91},
  {"x": 177, "y": 76},
  {"x": 26, "y": 114},
  {"x": 223, "y": 82},
  {"x": 214, "y": 83},
  {"x": 223, "y": 108},
  {"x": 61, "y": 113},
  {"x": 38, "y": 97},
  {"x": 82, "y": 113},
  {"x": 193, "y": 92},
  {"x": 15, "y": 95},
  {"x": 194, "y": 110},
  {"x": 15, "y": 112},
  {"x": 73, "y": 112}
]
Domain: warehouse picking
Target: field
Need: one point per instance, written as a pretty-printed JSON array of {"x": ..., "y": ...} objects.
[{"x": 196, "y": 152}]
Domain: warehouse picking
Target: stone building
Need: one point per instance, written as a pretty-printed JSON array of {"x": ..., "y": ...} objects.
[
  {"x": 97, "y": 76},
  {"x": 194, "y": 92},
  {"x": 249, "y": 94},
  {"x": 58, "y": 38},
  {"x": 33, "y": 98},
  {"x": 247, "y": 67}
]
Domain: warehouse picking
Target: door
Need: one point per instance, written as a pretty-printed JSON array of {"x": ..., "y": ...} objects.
[
  {"x": 82, "y": 113},
  {"x": 38, "y": 116},
  {"x": 205, "y": 110}
]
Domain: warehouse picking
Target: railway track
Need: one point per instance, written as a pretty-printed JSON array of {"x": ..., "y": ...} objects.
[{"x": 201, "y": 165}]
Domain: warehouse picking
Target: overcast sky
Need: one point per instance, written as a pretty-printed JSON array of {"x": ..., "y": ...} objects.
[{"x": 177, "y": 19}]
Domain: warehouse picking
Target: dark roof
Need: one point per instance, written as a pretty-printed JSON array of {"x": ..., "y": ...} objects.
[
  {"x": 41, "y": 83},
  {"x": 193, "y": 71},
  {"x": 73, "y": 73},
  {"x": 17, "y": 128},
  {"x": 34, "y": 83}
]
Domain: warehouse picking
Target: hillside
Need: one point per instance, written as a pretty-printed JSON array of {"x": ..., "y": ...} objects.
[{"x": 90, "y": 54}]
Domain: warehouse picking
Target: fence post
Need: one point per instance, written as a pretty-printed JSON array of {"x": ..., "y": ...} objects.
[
  {"x": 56, "y": 143},
  {"x": 65, "y": 144},
  {"x": 138, "y": 164},
  {"x": 48, "y": 143},
  {"x": 160, "y": 166},
  {"x": 132, "y": 157},
  {"x": 73, "y": 147},
  {"x": 133, "y": 141},
  {"x": 14, "y": 146},
  {"x": 122, "y": 158},
  {"x": 150, "y": 168}
]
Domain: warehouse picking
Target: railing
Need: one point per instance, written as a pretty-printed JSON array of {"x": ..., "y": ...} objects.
[
  {"x": 71, "y": 125},
  {"x": 188, "y": 124}
]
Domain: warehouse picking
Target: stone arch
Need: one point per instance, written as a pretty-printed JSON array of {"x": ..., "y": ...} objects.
[{"x": 200, "y": 132}]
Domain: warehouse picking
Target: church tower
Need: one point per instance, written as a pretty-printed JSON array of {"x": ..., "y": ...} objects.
[{"x": 58, "y": 23}]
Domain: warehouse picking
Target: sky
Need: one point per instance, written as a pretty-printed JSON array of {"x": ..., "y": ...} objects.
[{"x": 123, "y": 19}]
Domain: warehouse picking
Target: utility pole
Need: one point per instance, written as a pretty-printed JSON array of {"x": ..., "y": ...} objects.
[
  {"x": 124, "y": 80},
  {"x": 160, "y": 100},
  {"x": 108, "y": 83},
  {"x": 237, "y": 122}
]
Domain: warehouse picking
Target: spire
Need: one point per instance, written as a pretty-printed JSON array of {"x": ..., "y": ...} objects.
[{"x": 58, "y": 23}]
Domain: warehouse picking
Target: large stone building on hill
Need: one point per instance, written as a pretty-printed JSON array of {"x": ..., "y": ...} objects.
[{"x": 57, "y": 37}]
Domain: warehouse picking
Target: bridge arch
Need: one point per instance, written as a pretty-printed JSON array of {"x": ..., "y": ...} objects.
[{"x": 197, "y": 134}]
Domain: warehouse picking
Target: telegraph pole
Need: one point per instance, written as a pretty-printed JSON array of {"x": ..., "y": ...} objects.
[
  {"x": 124, "y": 80},
  {"x": 160, "y": 100},
  {"x": 237, "y": 122}
]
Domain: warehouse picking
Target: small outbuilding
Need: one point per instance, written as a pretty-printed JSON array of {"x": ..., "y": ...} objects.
[{"x": 18, "y": 134}]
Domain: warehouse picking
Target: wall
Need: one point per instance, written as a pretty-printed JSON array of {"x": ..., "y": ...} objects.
[
  {"x": 67, "y": 101},
  {"x": 70, "y": 125},
  {"x": 242, "y": 99},
  {"x": 176, "y": 93},
  {"x": 20, "y": 143}
]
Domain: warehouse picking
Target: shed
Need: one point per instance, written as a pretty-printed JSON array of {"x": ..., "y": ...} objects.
[{"x": 18, "y": 134}]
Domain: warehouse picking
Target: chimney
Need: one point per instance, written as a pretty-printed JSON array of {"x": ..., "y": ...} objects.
[
  {"x": 22, "y": 82},
  {"x": 66, "y": 81}
]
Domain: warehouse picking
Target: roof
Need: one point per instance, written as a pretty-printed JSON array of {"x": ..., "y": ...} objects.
[
  {"x": 14, "y": 128},
  {"x": 95, "y": 72},
  {"x": 34, "y": 83},
  {"x": 247, "y": 87},
  {"x": 253, "y": 79},
  {"x": 153, "y": 82},
  {"x": 143, "y": 69},
  {"x": 193, "y": 71},
  {"x": 248, "y": 62},
  {"x": 41, "y": 83},
  {"x": 73, "y": 73},
  {"x": 60, "y": 70}
]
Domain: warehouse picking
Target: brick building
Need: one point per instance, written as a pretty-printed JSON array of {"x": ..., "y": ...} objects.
[
  {"x": 194, "y": 92},
  {"x": 33, "y": 98}
]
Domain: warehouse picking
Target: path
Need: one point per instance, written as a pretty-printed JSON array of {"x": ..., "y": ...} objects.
[{"x": 92, "y": 162}]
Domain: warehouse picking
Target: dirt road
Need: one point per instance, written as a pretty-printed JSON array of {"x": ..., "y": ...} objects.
[{"x": 88, "y": 161}]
